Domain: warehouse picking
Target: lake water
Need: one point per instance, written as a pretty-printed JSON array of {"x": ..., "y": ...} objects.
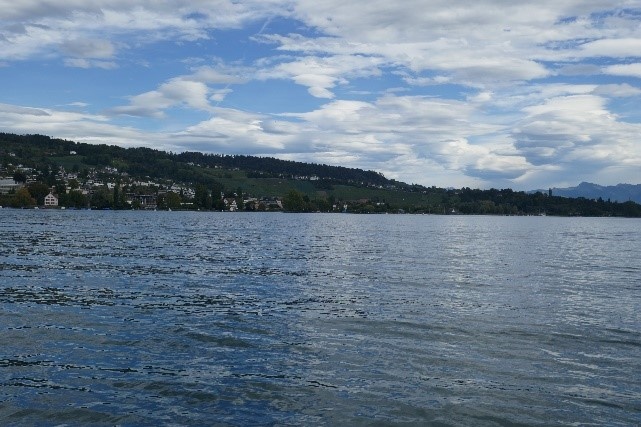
[{"x": 188, "y": 318}]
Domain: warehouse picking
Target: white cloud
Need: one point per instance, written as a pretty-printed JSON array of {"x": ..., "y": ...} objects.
[
  {"x": 78, "y": 104},
  {"x": 321, "y": 74},
  {"x": 87, "y": 29},
  {"x": 617, "y": 90},
  {"x": 482, "y": 97},
  {"x": 69, "y": 125},
  {"x": 396, "y": 129},
  {"x": 491, "y": 42},
  {"x": 191, "y": 91},
  {"x": 425, "y": 81},
  {"x": 86, "y": 48},
  {"x": 577, "y": 132},
  {"x": 220, "y": 74},
  {"x": 219, "y": 95},
  {"x": 236, "y": 131},
  {"x": 455, "y": 59},
  {"x": 16, "y": 111},
  {"x": 488, "y": 41},
  {"x": 400, "y": 135},
  {"x": 491, "y": 114},
  {"x": 612, "y": 48},
  {"x": 90, "y": 63},
  {"x": 632, "y": 70},
  {"x": 175, "y": 92}
]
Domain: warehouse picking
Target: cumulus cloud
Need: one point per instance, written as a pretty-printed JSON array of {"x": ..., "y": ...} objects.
[
  {"x": 612, "y": 48},
  {"x": 321, "y": 74},
  {"x": 577, "y": 132},
  {"x": 395, "y": 129},
  {"x": 69, "y": 125},
  {"x": 30, "y": 28},
  {"x": 395, "y": 134},
  {"x": 467, "y": 95},
  {"x": 455, "y": 59},
  {"x": 632, "y": 70},
  {"x": 189, "y": 91},
  {"x": 482, "y": 42},
  {"x": 236, "y": 131},
  {"x": 176, "y": 92}
]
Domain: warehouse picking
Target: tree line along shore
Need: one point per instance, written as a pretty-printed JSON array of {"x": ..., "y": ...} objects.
[{"x": 80, "y": 176}]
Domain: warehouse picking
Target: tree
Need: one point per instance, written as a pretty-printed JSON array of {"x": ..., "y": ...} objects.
[
  {"x": 202, "y": 198},
  {"x": 219, "y": 204},
  {"x": 161, "y": 201},
  {"x": 75, "y": 199},
  {"x": 19, "y": 176},
  {"x": 60, "y": 188},
  {"x": 118, "y": 197},
  {"x": 294, "y": 202},
  {"x": 38, "y": 191},
  {"x": 22, "y": 199},
  {"x": 101, "y": 199},
  {"x": 74, "y": 184},
  {"x": 172, "y": 200},
  {"x": 216, "y": 189}
]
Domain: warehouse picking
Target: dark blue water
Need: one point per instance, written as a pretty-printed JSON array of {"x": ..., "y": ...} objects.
[{"x": 170, "y": 318}]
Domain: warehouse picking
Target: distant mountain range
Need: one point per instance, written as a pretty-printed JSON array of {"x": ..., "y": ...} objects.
[{"x": 616, "y": 193}]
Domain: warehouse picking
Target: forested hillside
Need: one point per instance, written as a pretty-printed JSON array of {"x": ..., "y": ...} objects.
[
  {"x": 38, "y": 150},
  {"x": 102, "y": 176}
]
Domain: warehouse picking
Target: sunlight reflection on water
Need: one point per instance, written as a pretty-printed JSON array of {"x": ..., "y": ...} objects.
[{"x": 205, "y": 318}]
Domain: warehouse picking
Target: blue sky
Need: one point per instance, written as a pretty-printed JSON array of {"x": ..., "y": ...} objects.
[{"x": 447, "y": 93}]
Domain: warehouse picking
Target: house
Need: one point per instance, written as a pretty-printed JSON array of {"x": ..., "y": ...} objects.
[
  {"x": 51, "y": 200},
  {"x": 231, "y": 204},
  {"x": 271, "y": 203},
  {"x": 146, "y": 201}
]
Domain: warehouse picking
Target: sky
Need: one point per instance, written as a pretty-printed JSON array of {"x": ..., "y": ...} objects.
[{"x": 483, "y": 94}]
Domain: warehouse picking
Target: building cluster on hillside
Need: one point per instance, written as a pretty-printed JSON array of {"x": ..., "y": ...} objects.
[{"x": 140, "y": 193}]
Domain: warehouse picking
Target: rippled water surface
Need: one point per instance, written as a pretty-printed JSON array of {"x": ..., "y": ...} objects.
[{"x": 170, "y": 318}]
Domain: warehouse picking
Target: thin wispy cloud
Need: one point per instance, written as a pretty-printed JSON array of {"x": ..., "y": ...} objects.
[{"x": 446, "y": 93}]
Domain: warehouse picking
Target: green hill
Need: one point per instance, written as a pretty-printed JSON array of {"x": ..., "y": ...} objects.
[{"x": 115, "y": 177}]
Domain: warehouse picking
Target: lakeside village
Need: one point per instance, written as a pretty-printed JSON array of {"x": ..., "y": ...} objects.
[
  {"x": 44, "y": 176},
  {"x": 107, "y": 188}
]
